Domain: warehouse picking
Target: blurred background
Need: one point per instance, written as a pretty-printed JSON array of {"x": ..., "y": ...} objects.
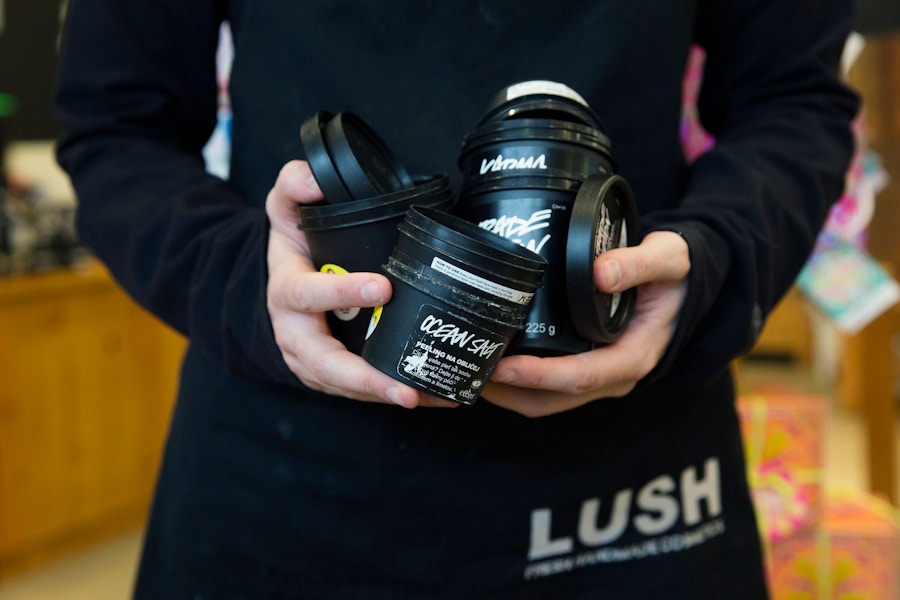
[{"x": 87, "y": 377}]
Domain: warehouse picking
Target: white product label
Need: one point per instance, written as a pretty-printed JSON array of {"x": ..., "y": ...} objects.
[
  {"x": 527, "y": 88},
  {"x": 485, "y": 285}
]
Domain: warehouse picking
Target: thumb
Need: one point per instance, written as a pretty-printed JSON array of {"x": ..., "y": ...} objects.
[{"x": 661, "y": 256}]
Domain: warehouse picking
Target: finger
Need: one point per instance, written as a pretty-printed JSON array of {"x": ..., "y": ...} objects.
[
  {"x": 325, "y": 365},
  {"x": 531, "y": 403},
  {"x": 288, "y": 250},
  {"x": 341, "y": 373},
  {"x": 606, "y": 371},
  {"x": 311, "y": 292},
  {"x": 576, "y": 374},
  {"x": 661, "y": 256},
  {"x": 295, "y": 185},
  {"x": 435, "y": 402}
]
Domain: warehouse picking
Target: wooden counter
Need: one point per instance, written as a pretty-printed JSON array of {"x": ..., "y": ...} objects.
[{"x": 87, "y": 380}]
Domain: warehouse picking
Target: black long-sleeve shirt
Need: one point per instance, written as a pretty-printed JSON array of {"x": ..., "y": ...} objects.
[{"x": 137, "y": 93}]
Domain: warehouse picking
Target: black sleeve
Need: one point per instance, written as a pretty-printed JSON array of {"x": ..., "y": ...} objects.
[
  {"x": 137, "y": 94},
  {"x": 773, "y": 98}
]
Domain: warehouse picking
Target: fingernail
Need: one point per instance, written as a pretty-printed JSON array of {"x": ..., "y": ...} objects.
[
  {"x": 371, "y": 293},
  {"x": 395, "y": 395},
  {"x": 311, "y": 183},
  {"x": 504, "y": 376}
]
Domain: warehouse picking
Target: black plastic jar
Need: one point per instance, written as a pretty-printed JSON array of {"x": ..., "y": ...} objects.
[
  {"x": 459, "y": 296},
  {"x": 367, "y": 194},
  {"x": 525, "y": 171}
]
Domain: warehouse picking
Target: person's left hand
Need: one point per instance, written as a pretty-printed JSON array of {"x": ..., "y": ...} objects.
[{"x": 535, "y": 386}]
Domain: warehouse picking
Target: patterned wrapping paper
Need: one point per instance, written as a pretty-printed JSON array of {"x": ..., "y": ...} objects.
[
  {"x": 854, "y": 554},
  {"x": 847, "y": 284},
  {"x": 784, "y": 441}
]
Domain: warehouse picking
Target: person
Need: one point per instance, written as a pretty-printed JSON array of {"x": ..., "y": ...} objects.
[{"x": 290, "y": 470}]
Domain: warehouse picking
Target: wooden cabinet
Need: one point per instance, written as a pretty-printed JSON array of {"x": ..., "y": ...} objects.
[
  {"x": 87, "y": 381},
  {"x": 875, "y": 77},
  {"x": 870, "y": 369},
  {"x": 788, "y": 329}
]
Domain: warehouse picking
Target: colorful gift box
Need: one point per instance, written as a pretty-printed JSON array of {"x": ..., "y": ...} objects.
[
  {"x": 854, "y": 554},
  {"x": 784, "y": 441}
]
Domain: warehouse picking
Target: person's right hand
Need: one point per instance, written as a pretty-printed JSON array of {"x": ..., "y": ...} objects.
[{"x": 299, "y": 296}]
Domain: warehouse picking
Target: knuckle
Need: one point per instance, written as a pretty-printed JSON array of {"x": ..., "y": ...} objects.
[
  {"x": 279, "y": 287},
  {"x": 644, "y": 363},
  {"x": 370, "y": 387},
  {"x": 586, "y": 380},
  {"x": 318, "y": 366},
  {"x": 641, "y": 267},
  {"x": 299, "y": 369},
  {"x": 300, "y": 295}
]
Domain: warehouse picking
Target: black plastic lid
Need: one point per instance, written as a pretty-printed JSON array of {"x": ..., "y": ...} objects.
[
  {"x": 455, "y": 231},
  {"x": 363, "y": 160},
  {"x": 537, "y": 130},
  {"x": 529, "y": 182},
  {"x": 348, "y": 158},
  {"x": 418, "y": 244},
  {"x": 312, "y": 136},
  {"x": 427, "y": 191},
  {"x": 604, "y": 216}
]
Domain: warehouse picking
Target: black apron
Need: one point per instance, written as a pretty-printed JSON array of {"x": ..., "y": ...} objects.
[{"x": 267, "y": 493}]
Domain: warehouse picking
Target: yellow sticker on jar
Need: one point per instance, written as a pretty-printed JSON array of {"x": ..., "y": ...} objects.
[
  {"x": 373, "y": 322},
  {"x": 332, "y": 268},
  {"x": 344, "y": 314}
]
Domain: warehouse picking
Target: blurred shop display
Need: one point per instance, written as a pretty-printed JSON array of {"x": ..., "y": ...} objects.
[
  {"x": 818, "y": 542},
  {"x": 217, "y": 151},
  {"x": 37, "y": 230},
  {"x": 37, "y": 212},
  {"x": 840, "y": 278},
  {"x": 36, "y": 233}
]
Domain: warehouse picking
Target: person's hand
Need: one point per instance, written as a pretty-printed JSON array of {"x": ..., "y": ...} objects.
[
  {"x": 299, "y": 296},
  {"x": 536, "y": 386}
]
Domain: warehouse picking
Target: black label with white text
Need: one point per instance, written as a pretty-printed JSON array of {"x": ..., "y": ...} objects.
[{"x": 449, "y": 356}]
